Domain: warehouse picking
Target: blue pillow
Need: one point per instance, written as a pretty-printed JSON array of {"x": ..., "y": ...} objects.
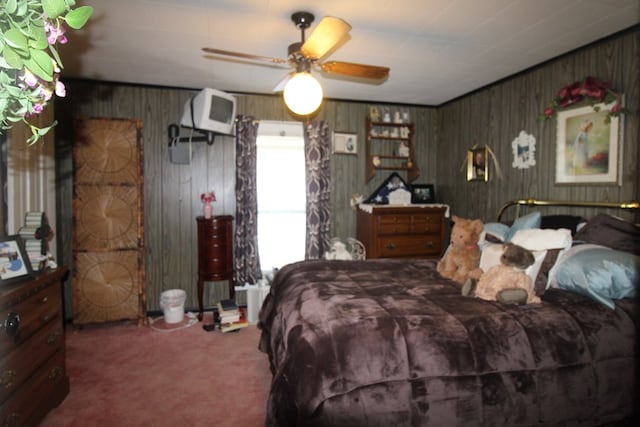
[
  {"x": 526, "y": 222},
  {"x": 497, "y": 229},
  {"x": 505, "y": 233},
  {"x": 598, "y": 272}
]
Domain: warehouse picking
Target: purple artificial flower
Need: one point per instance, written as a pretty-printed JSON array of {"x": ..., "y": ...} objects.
[{"x": 61, "y": 90}]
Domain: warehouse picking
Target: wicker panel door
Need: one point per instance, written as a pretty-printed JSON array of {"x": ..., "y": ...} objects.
[{"x": 108, "y": 240}]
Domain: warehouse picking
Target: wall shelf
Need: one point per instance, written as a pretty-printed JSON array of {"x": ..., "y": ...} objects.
[{"x": 389, "y": 146}]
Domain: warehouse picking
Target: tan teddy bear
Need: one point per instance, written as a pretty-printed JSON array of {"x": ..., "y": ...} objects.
[
  {"x": 507, "y": 281},
  {"x": 462, "y": 258}
]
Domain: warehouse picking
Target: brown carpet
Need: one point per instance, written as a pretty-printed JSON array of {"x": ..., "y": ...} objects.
[{"x": 126, "y": 376}]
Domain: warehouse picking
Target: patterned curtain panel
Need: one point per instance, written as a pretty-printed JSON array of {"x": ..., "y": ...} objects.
[
  {"x": 247, "y": 262},
  {"x": 318, "y": 177}
]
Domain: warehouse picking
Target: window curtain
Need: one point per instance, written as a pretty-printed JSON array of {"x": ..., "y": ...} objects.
[
  {"x": 246, "y": 260},
  {"x": 318, "y": 180}
]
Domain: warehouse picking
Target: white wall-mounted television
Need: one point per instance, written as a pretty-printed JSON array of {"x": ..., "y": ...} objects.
[{"x": 210, "y": 110}]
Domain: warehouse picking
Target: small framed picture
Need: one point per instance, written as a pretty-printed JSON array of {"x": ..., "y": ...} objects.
[
  {"x": 422, "y": 193},
  {"x": 477, "y": 164},
  {"x": 345, "y": 143},
  {"x": 14, "y": 263}
]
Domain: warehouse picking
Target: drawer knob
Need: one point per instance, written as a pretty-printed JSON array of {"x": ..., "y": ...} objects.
[
  {"x": 6, "y": 379},
  {"x": 44, "y": 300},
  {"x": 55, "y": 373},
  {"x": 429, "y": 245},
  {"x": 11, "y": 324},
  {"x": 390, "y": 246}
]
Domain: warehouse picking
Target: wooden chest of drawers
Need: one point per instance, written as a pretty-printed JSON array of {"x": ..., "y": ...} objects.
[
  {"x": 402, "y": 232},
  {"x": 215, "y": 253},
  {"x": 33, "y": 378}
]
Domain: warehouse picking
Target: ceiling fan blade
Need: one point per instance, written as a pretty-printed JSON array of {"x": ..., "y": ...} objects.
[
  {"x": 282, "y": 83},
  {"x": 244, "y": 55},
  {"x": 373, "y": 72},
  {"x": 327, "y": 34}
]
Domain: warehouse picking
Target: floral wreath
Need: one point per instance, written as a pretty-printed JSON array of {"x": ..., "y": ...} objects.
[{"x": 591, "y": 89}]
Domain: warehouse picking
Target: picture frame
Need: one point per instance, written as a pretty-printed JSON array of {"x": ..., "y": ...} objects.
[
  {"x": 588, "y": 149},
  {"x": 524, "y": 151},
  {"x": 345, "y": 143},
  {"x": 14, "y": 263},
  {"x": 478, "y": 164},
  {"x": 422, "y": 194}
]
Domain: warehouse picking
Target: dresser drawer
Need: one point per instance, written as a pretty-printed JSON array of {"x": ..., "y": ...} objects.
[
  {"x": 16, "y": 366},
  {"x": 45, "y": 388},
  {"x": 409, "y": 246},
  {"x": 34, "y": 312},
  {"x": 409, "y": 224},
  {"x": 394, "y": 224}
]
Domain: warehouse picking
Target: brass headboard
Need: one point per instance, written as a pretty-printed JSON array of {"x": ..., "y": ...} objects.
[{"x": 534, "y": 202}]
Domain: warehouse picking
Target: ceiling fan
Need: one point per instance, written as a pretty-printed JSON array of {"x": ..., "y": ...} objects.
[{"x": 307, "y": 54}]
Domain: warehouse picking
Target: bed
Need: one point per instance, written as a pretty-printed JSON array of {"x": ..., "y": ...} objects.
[{"x": 389, "y": 342}]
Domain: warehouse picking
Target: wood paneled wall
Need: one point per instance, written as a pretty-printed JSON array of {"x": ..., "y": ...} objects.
[
  {"x": 172, "y": 192},
  {"x": 494, "y": 115}
]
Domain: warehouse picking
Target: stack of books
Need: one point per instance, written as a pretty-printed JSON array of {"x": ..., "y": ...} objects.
[
  {"x": 231, "y": 317},
  {"x": 35, "y": 233}
]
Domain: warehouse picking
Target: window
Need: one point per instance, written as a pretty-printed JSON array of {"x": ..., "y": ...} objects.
[{"x": 281, "y": 191}]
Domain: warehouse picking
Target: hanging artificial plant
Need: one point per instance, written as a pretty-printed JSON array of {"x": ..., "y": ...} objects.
[
  {"x": 590, "y": 89},
  {"x": 29, "y": 62}
]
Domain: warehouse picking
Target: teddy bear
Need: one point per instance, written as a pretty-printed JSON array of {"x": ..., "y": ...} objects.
[
  {"x": 507, "y": 282},
  {"x": 462, "y": 258}
]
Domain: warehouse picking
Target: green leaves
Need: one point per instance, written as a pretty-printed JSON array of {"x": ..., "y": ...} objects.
[
  {"x": 24, "y": 46},
  {"x": 78, "y": 17},
  {"x": 54, "y": 8}
]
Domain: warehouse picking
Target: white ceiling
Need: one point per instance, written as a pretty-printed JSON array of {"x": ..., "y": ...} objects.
[{"x": 437, "y": 49}]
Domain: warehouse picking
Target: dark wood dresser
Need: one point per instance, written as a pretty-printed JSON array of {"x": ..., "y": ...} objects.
[
  {"x": 402, "y": 232},
  {"x": 215, "y": 253},
  {"x": 33, "y": 378}
]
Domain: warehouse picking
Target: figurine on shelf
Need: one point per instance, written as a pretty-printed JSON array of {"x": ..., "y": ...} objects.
[
  {"x": 405, "y": 115},
  {"x": 374, "y": 113},
  {"x": 396, "y": 117},
  {"x": 386, "y": 115},
  {"x": 403, "y": 149},
  {"x": 404, "y": 132}
]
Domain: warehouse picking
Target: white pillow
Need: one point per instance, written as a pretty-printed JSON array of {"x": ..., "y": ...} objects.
[{"x": 536, "y": 239}]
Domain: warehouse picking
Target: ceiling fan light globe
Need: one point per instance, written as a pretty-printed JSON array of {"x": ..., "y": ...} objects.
[{"x": 303, "y": 94}]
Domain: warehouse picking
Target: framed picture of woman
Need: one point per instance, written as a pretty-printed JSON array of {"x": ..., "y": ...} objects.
[{"x": 587, "y": 146}]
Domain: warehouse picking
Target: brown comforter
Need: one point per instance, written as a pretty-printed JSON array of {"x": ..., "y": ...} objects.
[{"x": 391, "y": 343}]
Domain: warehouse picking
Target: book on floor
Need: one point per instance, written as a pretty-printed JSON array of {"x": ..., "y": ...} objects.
[
  {"x": 242, "y": 322},
  {"x": 227, "y": 305}
]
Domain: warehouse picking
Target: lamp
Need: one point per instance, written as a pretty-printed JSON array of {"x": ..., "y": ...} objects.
[{"x": 303, "y": 93}]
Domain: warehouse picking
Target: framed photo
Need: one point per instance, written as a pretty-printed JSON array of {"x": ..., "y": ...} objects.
[
  {"x": 345, "y": 143},
  {"x": 14, "y": 264},
  {"x": 587, "y": 146},
  {"x": 477, "y": 164},
  {"x": 524, "y": 151},
  {"x": 422, "y": 193}
]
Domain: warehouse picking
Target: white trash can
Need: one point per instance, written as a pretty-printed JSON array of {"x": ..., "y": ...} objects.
[{"x": 172, "y": 303}]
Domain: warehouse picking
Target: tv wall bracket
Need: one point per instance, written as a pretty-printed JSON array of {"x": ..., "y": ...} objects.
[{"x": 202, "y": 136}]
